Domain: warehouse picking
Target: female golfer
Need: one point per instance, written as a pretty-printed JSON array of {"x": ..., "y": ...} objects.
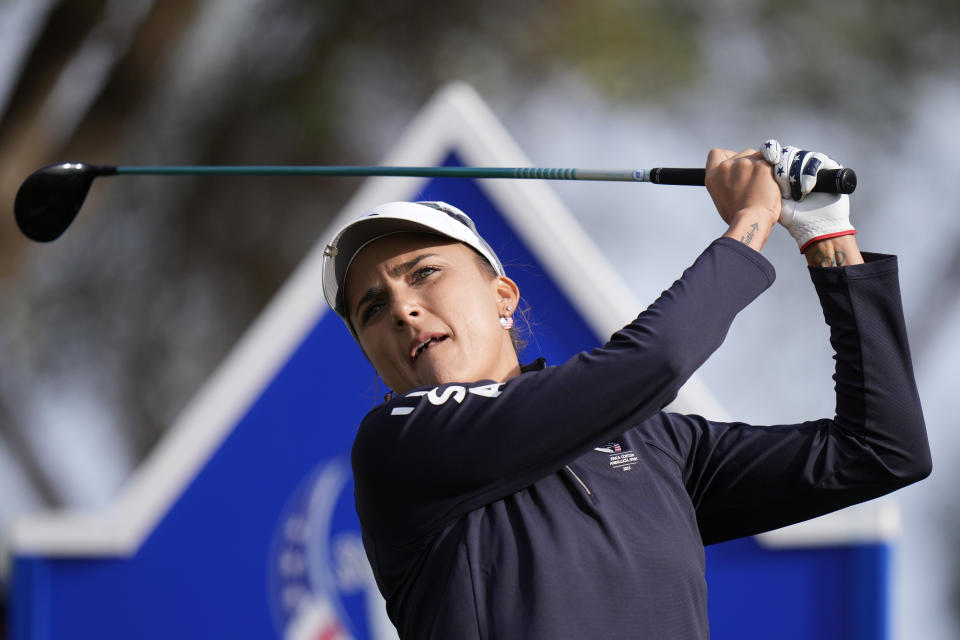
[{"x": 507, "y": 501}]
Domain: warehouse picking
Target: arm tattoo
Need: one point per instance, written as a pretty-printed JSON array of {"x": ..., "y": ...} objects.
[
  {"x": 747, "y": 239},
  {"x": 838, "y": 259}
]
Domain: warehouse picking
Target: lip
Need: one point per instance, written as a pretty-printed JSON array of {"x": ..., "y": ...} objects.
[{"x": 419, "y": 340}]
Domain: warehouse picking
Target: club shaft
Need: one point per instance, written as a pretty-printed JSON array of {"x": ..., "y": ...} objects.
[
  {"x": 830, "y": 181},
  {"x": 532, "y": 173}
]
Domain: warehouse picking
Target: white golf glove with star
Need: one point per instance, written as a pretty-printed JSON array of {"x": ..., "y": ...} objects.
[{"x": 808, "y": 217}]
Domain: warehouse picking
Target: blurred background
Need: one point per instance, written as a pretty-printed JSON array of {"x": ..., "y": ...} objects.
[{"x": 107, "y": 333}]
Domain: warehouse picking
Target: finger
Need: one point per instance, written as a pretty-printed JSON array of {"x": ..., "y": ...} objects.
[
  {"x": 782, "y": 168},
  {"x": 771, "y": 150},
  {"x": 794, "y": 172},
  {"x": 812, "y": 165},
  {"x": 808, "y": 172},
  {"x": 717, "y": 156}
]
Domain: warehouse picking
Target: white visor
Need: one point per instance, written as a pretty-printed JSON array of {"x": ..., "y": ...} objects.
[{"x": 438, "y": 218}]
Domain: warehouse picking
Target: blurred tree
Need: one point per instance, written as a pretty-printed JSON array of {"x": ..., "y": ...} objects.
[{"x": 859, "y": 58}]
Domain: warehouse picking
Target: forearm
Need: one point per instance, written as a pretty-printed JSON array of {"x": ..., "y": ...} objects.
[{"x": 877, "y": 399}]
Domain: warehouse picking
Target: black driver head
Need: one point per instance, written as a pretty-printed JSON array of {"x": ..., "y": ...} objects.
[{"x": 50, "y": 198}]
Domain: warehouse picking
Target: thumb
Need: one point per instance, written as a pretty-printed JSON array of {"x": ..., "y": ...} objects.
[{"x": 788, "y": 212}]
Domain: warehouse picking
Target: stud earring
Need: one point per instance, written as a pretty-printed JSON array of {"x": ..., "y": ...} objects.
[{"x": 506, "y": 321}]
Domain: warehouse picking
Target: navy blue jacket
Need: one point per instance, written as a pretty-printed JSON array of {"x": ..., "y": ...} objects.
[{"x": 565, "y": 503}]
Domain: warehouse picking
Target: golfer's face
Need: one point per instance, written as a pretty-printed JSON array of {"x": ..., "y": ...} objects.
[{"x": 426, "y": 313}]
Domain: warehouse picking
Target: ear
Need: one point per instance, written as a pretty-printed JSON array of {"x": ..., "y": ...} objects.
[{"x": 508, "y": 293}]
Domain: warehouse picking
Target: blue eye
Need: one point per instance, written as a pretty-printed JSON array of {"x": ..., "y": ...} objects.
[{"x": 423, "y": 272}]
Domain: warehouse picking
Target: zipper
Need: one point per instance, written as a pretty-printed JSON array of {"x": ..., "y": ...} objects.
[{"x": 577, "y": 478}]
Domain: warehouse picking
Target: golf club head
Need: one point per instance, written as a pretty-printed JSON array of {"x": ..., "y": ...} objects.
[{"x": 50, "y": 198}]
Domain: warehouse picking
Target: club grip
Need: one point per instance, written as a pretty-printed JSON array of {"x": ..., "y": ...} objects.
[
  {"x": 671, "y": 175},
  {"x": 843, "y": 180}
]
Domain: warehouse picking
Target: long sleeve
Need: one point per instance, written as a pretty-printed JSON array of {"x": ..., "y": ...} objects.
[
  {"x": 433, "y": 454},
  {"x": 746, "y": 479}
]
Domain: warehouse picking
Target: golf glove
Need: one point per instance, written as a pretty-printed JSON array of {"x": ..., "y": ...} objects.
[{"x": 807, "y": 216}]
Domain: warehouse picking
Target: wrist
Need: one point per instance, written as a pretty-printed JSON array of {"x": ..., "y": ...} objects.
[
  {"x": 839, "y": 251},
  {"x": 751, "y": 226}
]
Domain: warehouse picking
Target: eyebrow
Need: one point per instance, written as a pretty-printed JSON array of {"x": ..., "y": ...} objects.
[
  {"x": 394, "y": 272},
  {"x": 401, "y": 269}
]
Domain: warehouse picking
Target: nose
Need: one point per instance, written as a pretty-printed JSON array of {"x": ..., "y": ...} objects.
[{"x": 405, "y": 308}]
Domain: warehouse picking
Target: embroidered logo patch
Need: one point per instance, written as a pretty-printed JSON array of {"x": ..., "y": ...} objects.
[{"x": 619, "y": 459}]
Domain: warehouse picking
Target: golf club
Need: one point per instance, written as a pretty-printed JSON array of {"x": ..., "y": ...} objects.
[{"x": 50, "y": 198}]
